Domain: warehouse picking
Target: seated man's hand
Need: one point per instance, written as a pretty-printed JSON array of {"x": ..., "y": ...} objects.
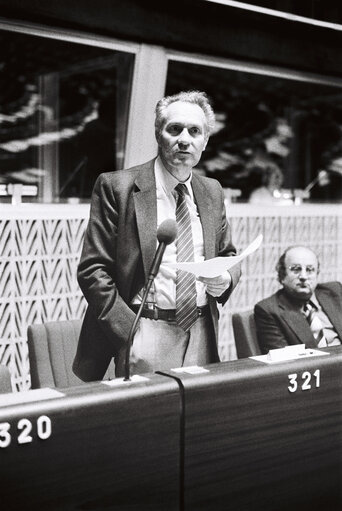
[{"x": 216, "y": 286}]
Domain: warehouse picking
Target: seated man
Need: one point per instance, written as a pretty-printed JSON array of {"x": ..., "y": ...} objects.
[{"x": 303, "y": 311}]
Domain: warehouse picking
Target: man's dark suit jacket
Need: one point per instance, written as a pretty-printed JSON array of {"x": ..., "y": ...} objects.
[
  {"x": 280, "y": 321},
  {"x": 119, "y": 246}
]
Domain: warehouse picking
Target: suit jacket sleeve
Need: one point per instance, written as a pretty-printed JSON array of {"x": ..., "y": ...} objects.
[
  {"x": 226, "y": 248},
  {"x": 269, "y": 333},
  {"x": 96, "y": 270}
]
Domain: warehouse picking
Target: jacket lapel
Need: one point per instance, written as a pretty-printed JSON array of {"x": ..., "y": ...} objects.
[
  {"x": 145, "y": 203},
  {"x": 328, "y": 302},
  {"x": 205, "y": 211},
  {"x": 296, "y": 320}
]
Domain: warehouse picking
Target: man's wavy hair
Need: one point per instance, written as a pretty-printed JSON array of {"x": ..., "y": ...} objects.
[
  {"x": 193, "y": 96},
  {"x": 281, "y": 268}
]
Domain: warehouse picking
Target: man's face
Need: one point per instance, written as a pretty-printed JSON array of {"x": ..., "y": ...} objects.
[
  {"x": 301, "y": 267},
  {"x": 182, "y": 138}
]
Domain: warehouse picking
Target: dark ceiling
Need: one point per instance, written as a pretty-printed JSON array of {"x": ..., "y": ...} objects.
[{"x": 200, "y": 26}]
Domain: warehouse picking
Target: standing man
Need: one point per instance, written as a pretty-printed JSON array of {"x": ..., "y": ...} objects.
[
  {"x": 303, "y": 311},
  {"x": 179, "y": 324}
]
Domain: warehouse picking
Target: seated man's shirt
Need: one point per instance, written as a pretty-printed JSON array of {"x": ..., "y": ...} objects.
[{"x": 331, "y": 337}]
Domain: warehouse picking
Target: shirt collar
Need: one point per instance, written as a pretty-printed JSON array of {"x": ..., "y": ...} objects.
[
  {"x": 167, "y": 181},
  {"x": 314, "y": 301}
]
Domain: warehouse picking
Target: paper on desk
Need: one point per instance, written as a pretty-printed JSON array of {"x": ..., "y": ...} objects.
[
  {"x": 190, "y": 370},
  {"x": 121, "y": 381},
  {"x": 218, "y": 265},
  {"x": 294, "y": 352},
  {"x": 29, "y": 396}
]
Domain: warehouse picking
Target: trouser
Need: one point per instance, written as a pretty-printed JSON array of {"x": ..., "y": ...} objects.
[{"x": 161, "y": 345}]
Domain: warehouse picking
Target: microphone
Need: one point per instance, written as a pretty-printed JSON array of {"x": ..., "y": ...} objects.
[
  {"x": 166, "y": 234},
  {"x": 321, "y": 177}
]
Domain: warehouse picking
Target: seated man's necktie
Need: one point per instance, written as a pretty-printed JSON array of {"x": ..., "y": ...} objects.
[
  {"x": 186, "y": 309},
  {"x": 315, "y": 323}
]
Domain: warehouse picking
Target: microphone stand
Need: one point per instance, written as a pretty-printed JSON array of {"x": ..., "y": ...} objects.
[
  {"x": 166, "y": 234},
  {"x": 134, "y": 327},
  {"x": 73, "y": 174},
  {"x": 321, "y": 175}
]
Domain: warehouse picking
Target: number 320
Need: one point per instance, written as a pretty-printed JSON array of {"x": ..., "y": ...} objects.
[{"x": 22, "y": 432}]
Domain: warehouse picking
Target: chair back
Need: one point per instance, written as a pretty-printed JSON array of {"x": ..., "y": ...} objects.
[
  {"x": 52, "y": 348},
  {"x": 245, "y": 335},
  {"x": 5, "y": 380}
]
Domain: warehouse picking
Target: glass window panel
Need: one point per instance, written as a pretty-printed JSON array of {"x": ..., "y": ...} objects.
[
  {"x": 63, "y": 113},
  {"x": 267, "y": 124}
]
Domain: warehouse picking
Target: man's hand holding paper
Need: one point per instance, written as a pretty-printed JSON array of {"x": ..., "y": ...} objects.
[{"x": 216, "y": 286}]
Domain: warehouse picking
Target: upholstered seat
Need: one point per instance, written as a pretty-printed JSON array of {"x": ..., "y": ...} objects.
[
  {"x": 245, "y": 335},
  {"x": 5, "y": 380},
  {"x": 52, "y": 347}
]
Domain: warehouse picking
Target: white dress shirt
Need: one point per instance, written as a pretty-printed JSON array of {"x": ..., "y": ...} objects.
[{"x": 163, "y": 290}]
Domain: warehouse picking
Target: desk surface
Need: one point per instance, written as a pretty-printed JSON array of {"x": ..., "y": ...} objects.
[
  {"x": 101, "y": 452},
  {"x": 242, "y": 435},
  {"x": 264, "y": 437}
]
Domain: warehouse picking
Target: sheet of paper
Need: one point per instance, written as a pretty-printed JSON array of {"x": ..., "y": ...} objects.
[
  {"x": 28, "y": 396},
  {"x": 120, "y": 381},
  {"x": 190, "y": 370},
  {"x": 285, "y": 357},
  {"x": 218, "y": 265}
]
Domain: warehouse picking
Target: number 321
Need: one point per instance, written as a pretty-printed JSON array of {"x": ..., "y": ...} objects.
[{"x": 306, "y": 377}]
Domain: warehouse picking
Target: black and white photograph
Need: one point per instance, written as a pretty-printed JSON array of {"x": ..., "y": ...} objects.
[{"x": 171, "y": 255}]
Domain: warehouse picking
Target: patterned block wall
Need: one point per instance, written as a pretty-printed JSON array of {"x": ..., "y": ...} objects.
[
  {"x": 38, "y": 260},
  {"x": 40, "y": 248}
]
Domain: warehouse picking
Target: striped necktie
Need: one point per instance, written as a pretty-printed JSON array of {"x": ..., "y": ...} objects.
[
  {"x": 315, "y": 323},
  {"x": 186, "y": 310}
]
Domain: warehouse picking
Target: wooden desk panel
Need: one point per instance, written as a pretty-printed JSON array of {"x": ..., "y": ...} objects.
[
  {"x": 251, "y": 444},
  {"x": 234, "y": 438},
  {"x": 110, "y": 448}
]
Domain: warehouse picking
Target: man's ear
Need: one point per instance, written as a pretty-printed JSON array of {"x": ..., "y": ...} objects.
[{"x": 281, "y": 279}]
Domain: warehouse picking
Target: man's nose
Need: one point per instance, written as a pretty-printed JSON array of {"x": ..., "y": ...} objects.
[
  {"x": 303, "y": 273},
  {"x": 184, "y": 138}
]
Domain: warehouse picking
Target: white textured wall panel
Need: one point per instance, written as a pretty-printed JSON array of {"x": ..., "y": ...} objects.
[{"x": 40, "y": 247}]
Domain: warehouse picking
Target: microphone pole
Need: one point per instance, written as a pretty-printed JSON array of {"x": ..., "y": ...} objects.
[
  {"x": 166, "y": 234},
  {"x": 322, "y": 174}
]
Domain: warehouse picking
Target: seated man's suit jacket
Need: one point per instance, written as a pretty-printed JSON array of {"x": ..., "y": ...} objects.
[
  {"x": 280, "y": 321},
  {"x": 119, "y": 246}
]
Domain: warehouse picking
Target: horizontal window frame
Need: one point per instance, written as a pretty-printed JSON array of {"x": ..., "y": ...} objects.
[{"x": 250, "y": 67}]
